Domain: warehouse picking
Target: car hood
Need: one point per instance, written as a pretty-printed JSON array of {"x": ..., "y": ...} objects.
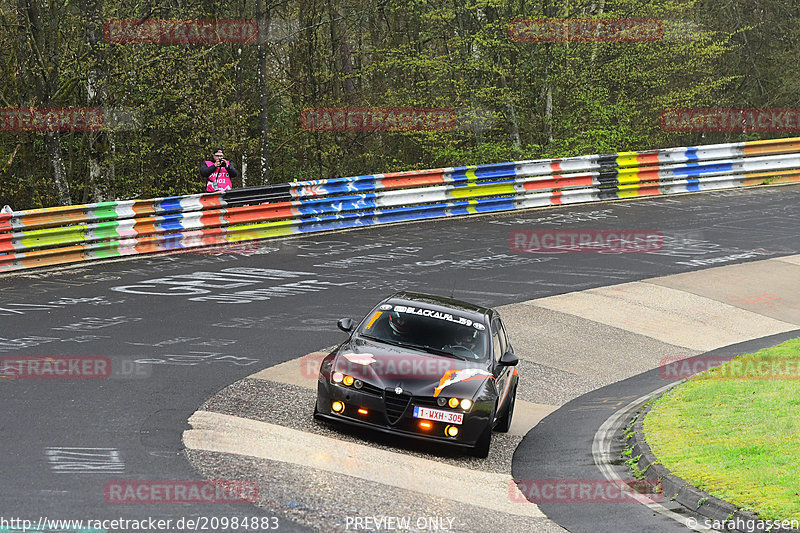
[{"x": 422, "y": 374}]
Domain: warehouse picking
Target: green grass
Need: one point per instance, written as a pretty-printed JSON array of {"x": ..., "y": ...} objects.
[{"x": 734, "y": 431}]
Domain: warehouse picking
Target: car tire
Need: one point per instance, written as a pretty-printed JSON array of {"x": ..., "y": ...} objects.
[
  {"x": 504, "y": 423},
  {"x": 481, "y": 448}
]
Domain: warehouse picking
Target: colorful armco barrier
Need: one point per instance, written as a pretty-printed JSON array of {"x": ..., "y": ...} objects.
[{"x": 43, "y": 237}]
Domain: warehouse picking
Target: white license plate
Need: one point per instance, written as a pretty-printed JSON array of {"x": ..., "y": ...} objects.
[{"x": 440, "y": 416}]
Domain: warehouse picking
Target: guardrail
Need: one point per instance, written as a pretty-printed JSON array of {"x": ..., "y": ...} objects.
[{"x": 52, "y": 236}]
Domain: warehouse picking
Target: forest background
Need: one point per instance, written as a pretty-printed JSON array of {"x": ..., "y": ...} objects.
[{"x": 169, "y": 105}]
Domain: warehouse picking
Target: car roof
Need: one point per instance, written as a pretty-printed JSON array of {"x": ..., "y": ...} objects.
[{"x": 442, "y": 303}]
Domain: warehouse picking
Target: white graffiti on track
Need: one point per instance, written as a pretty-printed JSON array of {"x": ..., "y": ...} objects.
[
  {"x": 283, "y": 321},
  {"x": 725, "y": 259},
  {"x": 85, "y": 338},
  {"x": 317, "y": 246},
  {"x": 196, "y": 358},
  {"x": 695, "y": 249},
  {"x": 204, "y": 282},
  {"x": 559, "y": 219},
  {"x": 35, "y": 340},
  {"x": 10, "y": 309},
  {"x": 390, "y": 255},
  {"x": 73, "y": 460},
  {"x": 157, "y": 266},
  {"x": 214, "y": 343},
  {"x": 281, "y": 291},
  {"x": 343, "y": 249},
  {"x": 166, "y": 342},
  {"x": 92, "y": 322},
  {"x": 247, "y": 322},
  {"x": 24, "y": 342},
  {"x": 392, "y": 284},
  {"x": 215, "y": 286},
  {"x": 247, "y": 250},
  {"x": 489, "y": 262},
  {"x": 686, "y": 245}
]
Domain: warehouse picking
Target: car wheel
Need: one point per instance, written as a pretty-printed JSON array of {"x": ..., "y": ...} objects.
[
  {"x": 504, "y": 423},
  {"x": 481, "y": 448}
]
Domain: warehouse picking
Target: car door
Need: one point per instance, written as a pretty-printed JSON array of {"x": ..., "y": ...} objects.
[{"x": 502, "y": 374}]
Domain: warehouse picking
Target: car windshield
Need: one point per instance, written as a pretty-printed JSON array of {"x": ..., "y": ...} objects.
[{"x": 444, "y": 333}]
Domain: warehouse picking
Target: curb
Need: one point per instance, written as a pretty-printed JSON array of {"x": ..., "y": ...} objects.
[{"x": 690, "y": 497}]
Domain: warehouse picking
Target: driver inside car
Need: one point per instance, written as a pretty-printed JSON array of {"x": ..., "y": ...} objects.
[
  {"x": 467, "y": 339},
  {"x": 398, "y": 325}
]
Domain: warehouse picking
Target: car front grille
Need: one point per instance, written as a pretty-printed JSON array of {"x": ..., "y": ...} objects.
[
  {"x": 427, "y": 401},
  {"x": 396, "y": 405},
  {"x": 371, "y": 389}
]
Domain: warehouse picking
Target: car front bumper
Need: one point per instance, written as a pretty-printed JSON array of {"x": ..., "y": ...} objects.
[{"x": 470, "y": 430}]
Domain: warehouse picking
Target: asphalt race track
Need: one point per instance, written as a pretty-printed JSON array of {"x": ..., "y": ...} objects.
[
  {"x": 178, "y": 329},
  {"x": 557, "y": 449}
]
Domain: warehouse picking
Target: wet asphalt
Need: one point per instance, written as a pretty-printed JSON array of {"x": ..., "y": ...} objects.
[{"x": 178, "y": 328}]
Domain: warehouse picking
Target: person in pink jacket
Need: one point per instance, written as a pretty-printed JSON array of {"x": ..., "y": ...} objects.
[{"x": 218, "y": 173}]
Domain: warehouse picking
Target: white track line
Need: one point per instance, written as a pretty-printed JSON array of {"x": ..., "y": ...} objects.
[
  {"x": 217, "y": 432},
  {"x": 601, "y": 451}
]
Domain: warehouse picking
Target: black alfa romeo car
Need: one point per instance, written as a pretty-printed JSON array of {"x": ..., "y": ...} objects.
[{"x": 423, "y": 366}]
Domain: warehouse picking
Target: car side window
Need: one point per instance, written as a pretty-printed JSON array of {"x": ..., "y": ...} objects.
[
  {"x": 498, "y": 341},
  {"x": 503, "y": 336}
]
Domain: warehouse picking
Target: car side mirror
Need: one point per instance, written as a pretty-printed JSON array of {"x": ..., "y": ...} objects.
[
  {"x": 508, "y": 359},
  {"x": 346, "y": 324}
]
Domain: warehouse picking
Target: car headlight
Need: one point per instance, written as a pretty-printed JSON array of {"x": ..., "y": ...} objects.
[
  {"x": 454, "y": 403},
  {"x": 348, "y": 381}
]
